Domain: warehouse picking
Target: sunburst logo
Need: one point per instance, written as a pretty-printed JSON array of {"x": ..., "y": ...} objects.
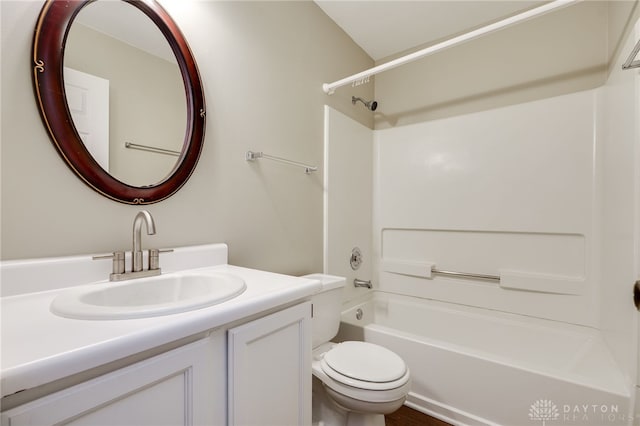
[{"x": 543, "y": 410}]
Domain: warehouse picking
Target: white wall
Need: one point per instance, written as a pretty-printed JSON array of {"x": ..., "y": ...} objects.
[{"x": 262, "y": 66}]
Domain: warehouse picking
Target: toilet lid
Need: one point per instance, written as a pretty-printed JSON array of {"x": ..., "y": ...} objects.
[{"x": 365, "y": 362}]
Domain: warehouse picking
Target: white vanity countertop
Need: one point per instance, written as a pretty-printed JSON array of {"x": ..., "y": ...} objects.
[{"x": 39, "y": 347}]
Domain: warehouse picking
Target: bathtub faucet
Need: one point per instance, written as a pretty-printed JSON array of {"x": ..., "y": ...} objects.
[{"x": 361, "y": 283}]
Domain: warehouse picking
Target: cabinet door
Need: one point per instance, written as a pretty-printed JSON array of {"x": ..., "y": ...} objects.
[
  {"x": 176, "y": 388},
  {"x": 270, "y": 369}
]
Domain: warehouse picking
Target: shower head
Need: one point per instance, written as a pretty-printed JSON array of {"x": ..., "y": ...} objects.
[{"x": 371, "y": 105}]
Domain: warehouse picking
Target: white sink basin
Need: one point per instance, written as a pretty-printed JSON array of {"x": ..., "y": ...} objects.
[{"x": 148, "y": 297}]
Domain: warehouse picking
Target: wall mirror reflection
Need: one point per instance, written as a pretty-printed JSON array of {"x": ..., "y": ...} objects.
[{"x": 125, "y": 91}]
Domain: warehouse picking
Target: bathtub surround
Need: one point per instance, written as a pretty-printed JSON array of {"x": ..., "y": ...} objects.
[
  {"x": 481, "y": 193},
  {"x": 620, "y": 214},
  {"x": 525, "y": 170},
  {"x": 548, "y": 205},
  {"x": 348, "y": 199},
  {"x": 476, "y": 366}
]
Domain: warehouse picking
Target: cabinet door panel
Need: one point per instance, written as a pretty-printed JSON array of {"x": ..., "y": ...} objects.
[
  {"x": 165, "y": 403},
  {"x": 164, "y": 390},
  {"x": 270, "y": 370}
]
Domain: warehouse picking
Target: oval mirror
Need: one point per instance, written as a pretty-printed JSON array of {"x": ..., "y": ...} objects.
[{"x": 125, "y": 112}]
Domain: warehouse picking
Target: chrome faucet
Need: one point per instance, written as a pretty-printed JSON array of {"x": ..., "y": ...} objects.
[{"x": 136, "y": 253}]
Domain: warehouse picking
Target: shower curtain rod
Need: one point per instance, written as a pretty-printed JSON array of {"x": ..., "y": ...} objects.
[
  {"x": 330, "y": 88},
  {"x": 630, "y": 63}
]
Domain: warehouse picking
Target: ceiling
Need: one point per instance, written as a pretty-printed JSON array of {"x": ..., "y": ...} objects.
[{"x": 387, "y": 27}]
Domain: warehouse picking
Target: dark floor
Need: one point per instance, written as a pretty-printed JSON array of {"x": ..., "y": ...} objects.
[{"x": 406, "y": 416}]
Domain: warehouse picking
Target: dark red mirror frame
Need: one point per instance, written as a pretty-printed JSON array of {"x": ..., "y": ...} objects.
[{"x": 48, "y": 54}]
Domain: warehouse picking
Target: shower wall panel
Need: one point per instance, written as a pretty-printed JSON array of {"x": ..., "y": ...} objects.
[
  {"x": 347, "y": 198},
  {"x": 511, "y": 192}
]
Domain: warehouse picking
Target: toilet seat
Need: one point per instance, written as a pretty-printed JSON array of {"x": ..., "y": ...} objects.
[{"x": 365, "y": 366}]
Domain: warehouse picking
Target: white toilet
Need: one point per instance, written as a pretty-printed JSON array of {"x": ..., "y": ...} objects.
[{"x": 354, "y": 383}]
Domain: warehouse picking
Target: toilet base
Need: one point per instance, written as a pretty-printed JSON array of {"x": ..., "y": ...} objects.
[
  {"x": 323, "y": 411},
  {"x": 361, "y": 419},
  {"x": 327, "y": 411}
]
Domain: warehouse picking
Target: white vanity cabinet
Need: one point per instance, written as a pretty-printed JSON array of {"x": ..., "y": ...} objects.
[
  {"x": 270, "y": 369},
  {"x": 257, "y": 373},
  {"x": 184, "y": 386}
]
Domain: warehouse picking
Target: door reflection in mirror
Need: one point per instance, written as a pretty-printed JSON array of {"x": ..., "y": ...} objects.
[{"x": 88, "y": 101}]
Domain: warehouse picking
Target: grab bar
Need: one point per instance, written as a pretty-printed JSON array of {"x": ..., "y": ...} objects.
[
  {"x": 508, "y": 279},
  {"x": 466, "y": 275},
  {"x": 253, "y": 155}
]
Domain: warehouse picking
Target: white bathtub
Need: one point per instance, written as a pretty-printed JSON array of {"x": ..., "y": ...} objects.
[{"x": 480, "y": 367}]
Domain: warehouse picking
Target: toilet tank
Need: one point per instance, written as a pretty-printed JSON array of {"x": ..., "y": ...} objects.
[{"x": 327, "y": 308}]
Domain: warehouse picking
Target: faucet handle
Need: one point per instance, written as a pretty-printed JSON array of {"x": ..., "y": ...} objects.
[
  {"x": 118, "y": 261},
  {"x": 154, "y": 257}
]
